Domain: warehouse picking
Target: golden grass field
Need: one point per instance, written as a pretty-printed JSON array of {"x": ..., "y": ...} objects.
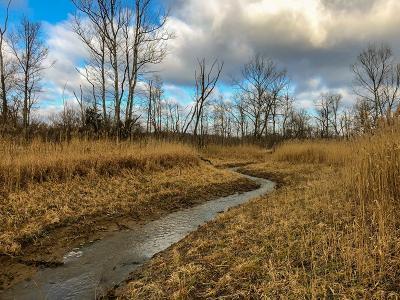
[
  {"x": 37, "y": 162},
  {"x": 47, "y": 186},
  {"x": 330, "y": 231}
]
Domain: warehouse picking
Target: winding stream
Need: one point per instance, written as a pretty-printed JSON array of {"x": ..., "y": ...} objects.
[{"x": 93, "y": 269}]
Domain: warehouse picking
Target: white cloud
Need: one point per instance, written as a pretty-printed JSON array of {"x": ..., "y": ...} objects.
[
  {"x": 311, "y": 38},
  {"x": 316, "y": 40},
  {"x": 66, "y": 53}
]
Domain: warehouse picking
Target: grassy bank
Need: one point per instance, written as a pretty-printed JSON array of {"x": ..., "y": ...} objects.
[
  {"x": 50, "y": 186},
  {"x": 330, "y": 231},
  {"x": 227, "y": 156},
  {"x": 37, "y": 162}
]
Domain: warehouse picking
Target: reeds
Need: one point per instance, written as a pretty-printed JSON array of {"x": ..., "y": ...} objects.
[
  {"x": 331, "y": 231},
  {"x": 314, "y": 152},
  {"x": 39, "y": 162}
]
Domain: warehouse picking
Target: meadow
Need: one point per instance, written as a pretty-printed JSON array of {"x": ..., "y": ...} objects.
[
  {"x": 56, "y": 196},
  {"x": 331, "y": 230}
]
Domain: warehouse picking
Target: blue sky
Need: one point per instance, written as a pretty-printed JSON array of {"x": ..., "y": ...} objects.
[
  {"x": 50, "y": 11},
  {"x": 47, "y": 11}
]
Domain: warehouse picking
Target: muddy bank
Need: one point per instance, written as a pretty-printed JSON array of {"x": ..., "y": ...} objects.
[
  {"x": 91, "y": 270},
  {"x": 48, "y": 249}
]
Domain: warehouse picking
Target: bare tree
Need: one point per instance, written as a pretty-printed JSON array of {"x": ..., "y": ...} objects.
[
  {"x": 222, "y": 117},
  {"x": 81, "y": 102},
  {"x": 260, "y": 89},
  {"x": 206, "y": 80},
  {"x": 31, "y": 53},
  {"x": 95, "y": 70},
  {"x": 108, "y": 19},
  {"x": 154, "y": 105},
  {"x": 363, "y": 116},
  {"x": 279, "y": 85},
  {"x": 335, "y": 101},
  {"x": 377, "y": 80},
  {"x": 124, "y": 38},
  {"x": 287, "y": 112},
  {"x": 323, "y": 112},
  {"x": 3, "y": 72},
  {"x": 145, "y": 44}
]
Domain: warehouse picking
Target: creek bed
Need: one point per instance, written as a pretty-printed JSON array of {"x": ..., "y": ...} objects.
[{"x": 88, "y": 272}]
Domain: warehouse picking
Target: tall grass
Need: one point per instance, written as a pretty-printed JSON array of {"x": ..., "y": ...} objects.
[
  {"x": 332, "y": 231},
  {"x": 318, "y": 151},
  {"x": 235, "y": 154},
  {"x": 369, "y": 174},
  {"x": 39, "y": 161}
]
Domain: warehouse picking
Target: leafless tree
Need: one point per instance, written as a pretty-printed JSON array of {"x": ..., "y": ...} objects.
[
  {"x": 335, "y": 101},
  {"x": 363, "y": 116},
  {"x": 222, "y": 117},
  {"x": 95, "y": 70},
  {"x": 154, "y": 105},
  {"x": 377, "y": 80},
  {"x": 108, "y": 19},
  {"x": 4, "y": 74},
  {"x": 124, "y": 38},
  {"x": 206, "y": 80},
  {"x": 81, "y": 102},
  {"x": 279, "y": 85},
  {"x": 260, "y": 89},
  {"x": 145, "y": 43},
  {"x": 287, "y": 112},
  {"x": 347, "y": 123},
  {"x": 30, "y": 51},
  {"x": 323, "y": 115}
]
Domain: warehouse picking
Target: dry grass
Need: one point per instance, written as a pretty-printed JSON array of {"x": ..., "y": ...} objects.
[
  {"x": 38, "y": 162},
  {"x": 331, "y": 231},
  {"x": 27, "y": 214},
  {"x": 235, "y": 155},
  {"x": 314, "y": 152},
  {"x": 47, "y": 186}
]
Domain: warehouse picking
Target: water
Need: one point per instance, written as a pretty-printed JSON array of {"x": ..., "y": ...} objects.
[{"x": 90, "y": 271}]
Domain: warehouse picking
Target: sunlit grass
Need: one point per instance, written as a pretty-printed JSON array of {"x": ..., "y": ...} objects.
[
  {"x": 22, "y": 164},
  {"x": 330, "y": 231}
]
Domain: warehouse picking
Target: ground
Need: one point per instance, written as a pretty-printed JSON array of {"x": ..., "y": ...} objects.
[
  {"x": 44, "y": 220},
  {"x": 330, "y": 230},
  {"x": 297, "y": 242}
]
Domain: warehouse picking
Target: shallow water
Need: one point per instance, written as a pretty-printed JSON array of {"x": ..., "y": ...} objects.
[{"x": 93, "y": 269}]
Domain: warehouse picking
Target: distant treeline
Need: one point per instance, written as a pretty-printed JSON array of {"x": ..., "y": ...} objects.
[{"x": 120, "y": 97}]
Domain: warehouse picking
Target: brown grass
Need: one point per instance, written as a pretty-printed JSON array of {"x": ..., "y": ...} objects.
[
  {"x": 330, "y": 231},
  {"x": 38, "y": 162},
  {"x": 226, "y": 156},
  {"x": 314, "y": 152},
  {"x": 47, "y": 186},
  {"x": 26, "y": 215}
]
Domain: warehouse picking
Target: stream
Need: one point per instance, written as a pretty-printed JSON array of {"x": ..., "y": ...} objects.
[{"x": 88, "y": 272}]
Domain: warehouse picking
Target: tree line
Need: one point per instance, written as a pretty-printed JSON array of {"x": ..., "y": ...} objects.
[{"x": 120, "y": 95}]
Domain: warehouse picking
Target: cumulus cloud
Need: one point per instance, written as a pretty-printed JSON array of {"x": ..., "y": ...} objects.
[
  {"x": 315, "y": 40},
  {"x": 311, "y": 38},
  {"x": 66, "y": 53}
]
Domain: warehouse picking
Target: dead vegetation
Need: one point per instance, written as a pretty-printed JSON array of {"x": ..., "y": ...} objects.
[
  {"x": 330, "y": 231},
  {"x": 227, "y": 156},
  {"x": 48, "y": 186},
  {"x": 37, "y": 162}
]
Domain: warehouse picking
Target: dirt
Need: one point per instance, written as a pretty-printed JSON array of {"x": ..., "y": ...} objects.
[{"x": 48, "y": 250}]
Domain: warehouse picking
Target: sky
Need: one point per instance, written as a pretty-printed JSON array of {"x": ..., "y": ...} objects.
[{"x": 315, "y": 40}]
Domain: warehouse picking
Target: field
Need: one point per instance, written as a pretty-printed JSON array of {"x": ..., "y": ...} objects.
[
  {"x": 331, "y": 230},
  {"x": 58, "y": 196}
]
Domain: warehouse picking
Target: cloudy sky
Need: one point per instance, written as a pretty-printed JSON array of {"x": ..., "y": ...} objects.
[{"x": 315, "y": 40}]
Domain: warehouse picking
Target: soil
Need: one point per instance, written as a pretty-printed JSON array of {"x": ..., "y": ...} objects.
[{"x": 48, "y": 250}]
